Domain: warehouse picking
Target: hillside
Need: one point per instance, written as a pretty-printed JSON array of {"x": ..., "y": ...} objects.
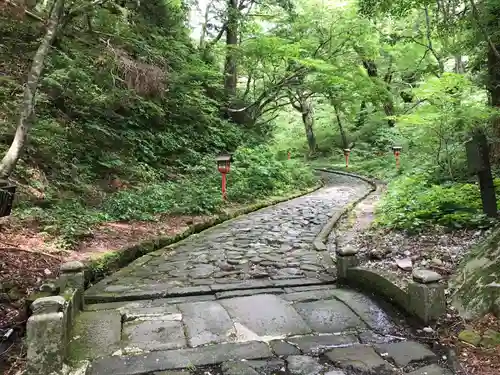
[{"x": 112, "y": 113}]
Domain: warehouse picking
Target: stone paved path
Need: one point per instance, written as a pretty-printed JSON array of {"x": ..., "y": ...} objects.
[{"x": 248, "y": 297}]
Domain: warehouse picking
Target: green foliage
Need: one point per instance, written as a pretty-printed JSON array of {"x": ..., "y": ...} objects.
[
  {"x": 255, "y": 174},
  {"x": 413, "y": 203},
  {"x": 258, "y": 174}
]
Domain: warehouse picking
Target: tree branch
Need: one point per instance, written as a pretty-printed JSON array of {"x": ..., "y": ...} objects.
[
  {"x": 429, "y": 40},
  {"x": 475, "y": 13}
]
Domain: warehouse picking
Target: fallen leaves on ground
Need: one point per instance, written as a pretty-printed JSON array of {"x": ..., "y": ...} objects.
[{"x": 28, "y": 257}]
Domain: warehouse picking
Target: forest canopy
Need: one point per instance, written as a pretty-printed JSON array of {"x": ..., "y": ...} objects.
[{"x": 122, "y": 95}]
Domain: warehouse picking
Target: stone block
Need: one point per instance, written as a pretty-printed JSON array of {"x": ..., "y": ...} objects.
[
  {"x": 95, "y": 334},
  {"x": 426, "y": 276},
  {"x": 344, "y": 263},
  {"x": 72, "y": 267},
  {"x": 304, "y": 365},
  {"x": 431, "y": 370},
  {"x": 283, "y": 349},
  {"x": 359, "y": 359},
  {"x": 73, "y": 277},
  {"x": 175, "y": 359},
  {"x": 46, "y": 305},
  {"x": 45, "y": 334},
  {"x": 317, "y": 344},
  {"x": 406, "y": 352},
  {"x": 426, "y": 301}
]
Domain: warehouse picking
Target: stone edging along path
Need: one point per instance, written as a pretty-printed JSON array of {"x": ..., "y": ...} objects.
[
  {"x": 319, "y": 242},
  {"x": 106, "y": 263},
  {"x": 423, "y": 298},
  {"x": 263, "y": 254}
]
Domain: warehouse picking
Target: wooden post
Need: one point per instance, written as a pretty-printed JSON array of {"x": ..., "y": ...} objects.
[{"x": 478, "y": 159}]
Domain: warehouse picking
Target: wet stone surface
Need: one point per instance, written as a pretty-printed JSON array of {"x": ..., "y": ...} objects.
[
  {"x": 249, "y": 297},
  {"x": 263, "y": 334},
  {"x": 274, "y": 243}
]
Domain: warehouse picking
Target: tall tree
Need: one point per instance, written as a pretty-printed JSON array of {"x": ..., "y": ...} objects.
[{"x": 27, "y": 108}]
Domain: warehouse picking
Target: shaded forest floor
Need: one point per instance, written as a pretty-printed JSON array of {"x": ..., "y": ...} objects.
[{"x": 28, "y": 257}]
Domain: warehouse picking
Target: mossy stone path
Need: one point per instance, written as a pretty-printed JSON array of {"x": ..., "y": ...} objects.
[{"x": 250, "y": 296}]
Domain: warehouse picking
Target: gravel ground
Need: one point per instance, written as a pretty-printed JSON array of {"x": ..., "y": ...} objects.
[{"x": 436, "y": 249}]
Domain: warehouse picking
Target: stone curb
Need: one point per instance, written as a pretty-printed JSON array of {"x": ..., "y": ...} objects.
[
  {"x": 424, "y": 300},
  {"x": 56, "y": 305},
  {"x": 319, "y": 243},
  {"x": 98, "y": 268}
]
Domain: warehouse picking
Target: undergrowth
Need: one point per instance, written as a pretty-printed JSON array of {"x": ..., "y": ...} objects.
[
  {"x": 416, "y": 199},
  {"x": 255, "y": 174}
]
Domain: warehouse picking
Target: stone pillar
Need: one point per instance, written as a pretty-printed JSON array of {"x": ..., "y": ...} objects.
[
  {"x": 72, "y": 277},
  {"x": 426, "y": 295},
  {"x": 46, "y": 336},
  {"x": 346, "y": 258}
]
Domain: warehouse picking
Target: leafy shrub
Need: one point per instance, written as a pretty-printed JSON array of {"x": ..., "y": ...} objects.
[
  {"x": 413, "y": 203},
  {"x": 255, "y": 174}
]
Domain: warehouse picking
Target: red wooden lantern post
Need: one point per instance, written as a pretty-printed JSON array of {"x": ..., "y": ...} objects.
[
  {"x": 224, "y": 165},
  {"x": 397, "y": 152},
  {"x": 347, "y": 151}
]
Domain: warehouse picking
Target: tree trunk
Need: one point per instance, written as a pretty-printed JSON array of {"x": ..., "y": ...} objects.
[
  {"x": 343, "y": 136},
  {"x": 459, "y": 64},
  {"x": 308, "y": 120},
  {"x": 388, "y": 105},
  {"x": 303, "y": 104},
  {"x": 25, "y": 122},
  {"x": 230, "y": 72},
  {"x": 493, "y": 84},
  {"x": 360, "y": 121}
]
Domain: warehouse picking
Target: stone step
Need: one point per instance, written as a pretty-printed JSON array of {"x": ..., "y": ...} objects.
[
  {"x": 153, "y": 291},
  {"x": 258, "y": 358}
]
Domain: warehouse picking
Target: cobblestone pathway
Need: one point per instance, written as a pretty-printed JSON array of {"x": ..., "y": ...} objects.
[{"x": 248, "y": 297}]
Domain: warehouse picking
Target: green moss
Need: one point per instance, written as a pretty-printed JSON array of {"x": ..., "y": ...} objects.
[
  {"x": 68, "y": 294},
  {"x": 490, "y": 339},
  {"x": 481, "y": 266},
  {"x": 470, "y": 337}
]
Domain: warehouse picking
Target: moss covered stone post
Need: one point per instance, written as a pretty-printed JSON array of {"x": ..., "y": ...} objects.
[
  {"x": 346, "y": 258},
  {"x": 73, "y": 277},
  {"x": 426, "y": 295},
  {"x": 46, "y": 336}
]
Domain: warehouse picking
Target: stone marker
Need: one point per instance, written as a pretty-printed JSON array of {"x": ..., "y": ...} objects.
[
  {"x": 72, "y": 277},
  {"x": 45, "y": 339},
  {"x": 344, "y": 262},
  {"x": 427, "y": 301}
]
